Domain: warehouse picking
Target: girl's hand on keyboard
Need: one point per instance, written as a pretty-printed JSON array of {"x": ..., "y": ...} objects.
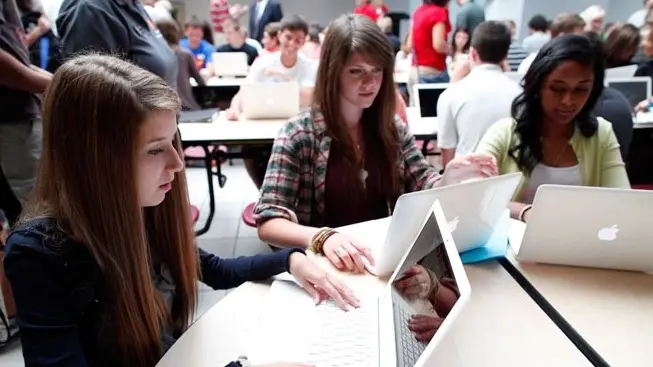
[
  {"x": 345, "y": 253},
  {"x": 416, "y": 282},
  {"x": 424, "y": 327},
  {"x": 319, "y": 284}
]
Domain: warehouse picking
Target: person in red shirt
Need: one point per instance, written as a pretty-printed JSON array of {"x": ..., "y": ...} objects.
[
  {"x": 429, "y": 33},
  {"x": 221, "y": 10},
  {"x": 366, "y": 8}
]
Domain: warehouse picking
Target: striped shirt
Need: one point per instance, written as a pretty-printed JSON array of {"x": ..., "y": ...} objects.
[
  {"x": 516, "y": 54},
  {"x": 219, "y": 13}
]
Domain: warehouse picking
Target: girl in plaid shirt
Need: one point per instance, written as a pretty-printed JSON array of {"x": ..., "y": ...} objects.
[{"x": 348, "y": 158}]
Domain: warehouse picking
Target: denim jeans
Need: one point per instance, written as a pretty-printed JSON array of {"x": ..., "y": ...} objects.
[{"x": 440, "y": 78}]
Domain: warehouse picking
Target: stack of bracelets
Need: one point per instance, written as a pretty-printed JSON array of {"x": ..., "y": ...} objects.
[{"x": 319, "y": 239}]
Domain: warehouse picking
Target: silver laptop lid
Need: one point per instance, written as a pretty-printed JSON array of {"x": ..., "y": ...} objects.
[
  {"x": 472, "y": 208},
  {"x": 591, "y": 227},
  {"x": 635, "y": 89},
  {"x": 434, "y": 251}
]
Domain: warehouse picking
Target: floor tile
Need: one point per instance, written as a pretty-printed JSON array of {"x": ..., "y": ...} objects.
[
  {"x": 220, "y": 228},
  {"x": 245, "y": 231},
  {"x": 223, "y": 247},
  {"x": 250, "y": 246}
]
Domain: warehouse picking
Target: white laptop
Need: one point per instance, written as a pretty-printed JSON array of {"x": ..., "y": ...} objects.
[
  {"x": 376, "y": 334},
  {"x": 230, "y": 64},
  {"x": 621, "y": 71},
  {"x": 589, "y": 227},
  {"x": 427, "y": 96},
  {"x": 269, "y": 100},
  {"x": 472, "y": 209},
  {"x": 635, "y": 89}
]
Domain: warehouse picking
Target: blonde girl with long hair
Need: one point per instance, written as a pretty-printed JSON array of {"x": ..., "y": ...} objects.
[{"x": 103, "y": 263}]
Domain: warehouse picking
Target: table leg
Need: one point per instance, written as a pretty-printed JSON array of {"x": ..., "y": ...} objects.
[{"x": 209, "y": 176}]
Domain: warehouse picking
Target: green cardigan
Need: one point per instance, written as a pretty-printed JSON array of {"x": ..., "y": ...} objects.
[{"x": 599, "y": 157}]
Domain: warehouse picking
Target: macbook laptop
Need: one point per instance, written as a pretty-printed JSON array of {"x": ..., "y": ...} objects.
[
  {"x": 627, "y": 71},
  {"x": 375, "y": 334},
  {"x": 635, "y": 89},
  {"x": 230, "y": 64},
  {"x": 270, "y": 100},
  {"x": 472, "y": 210},
  {"x": 427, "y": 96},
  {"x": 589, "y": 227}
]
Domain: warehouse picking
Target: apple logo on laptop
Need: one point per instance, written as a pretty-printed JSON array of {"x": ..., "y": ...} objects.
[
  {"x": 608, "y": 233},
  {"x": 454, "y": 224}
]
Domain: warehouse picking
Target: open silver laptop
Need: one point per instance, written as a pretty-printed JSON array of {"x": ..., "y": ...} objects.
[
  {"x": 376, "y": 334},
  {"x": 472, "y": 209},
  {"x": 621, "y": 72},
  {"x": 427, "y": 96},
  {"x": 269, "y": 100},
  {"x": 230, "y": 64},
  {"x": 589, "y": 227},
  {"x": 635, "y": 89}
]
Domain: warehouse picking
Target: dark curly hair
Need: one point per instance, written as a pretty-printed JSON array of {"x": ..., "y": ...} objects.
[{"x": 527, "y": 107}]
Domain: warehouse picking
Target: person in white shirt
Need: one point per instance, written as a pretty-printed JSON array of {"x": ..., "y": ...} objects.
[
  {"x": 285, "y": 65},
  {"x": 564, "y": 23},
  {"x": 469, "y": 107},
  {"x": 638, "y": 19},
  {"x": 539, "y": 34}
]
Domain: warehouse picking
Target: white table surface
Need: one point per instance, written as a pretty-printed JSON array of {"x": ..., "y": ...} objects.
[
  {"x": 612, "y": 310},
  {"x": 500, "y": 326},
  {"x": 236, "y": 132},
  {"x": 643, "y": 120}
]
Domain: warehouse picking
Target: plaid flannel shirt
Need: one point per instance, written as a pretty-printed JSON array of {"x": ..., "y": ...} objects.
[{"x": 294, "y": 183}]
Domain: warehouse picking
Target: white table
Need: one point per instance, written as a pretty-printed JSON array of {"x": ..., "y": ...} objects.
[
  {"x": 500, "y": 326},
  {"x": 643, "y": 120},
  {"x": 611, "y": 310},
  {"x": 244, "y": 131}
]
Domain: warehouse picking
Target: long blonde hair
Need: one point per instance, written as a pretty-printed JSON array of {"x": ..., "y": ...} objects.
[{"x": 93, "y": 112}]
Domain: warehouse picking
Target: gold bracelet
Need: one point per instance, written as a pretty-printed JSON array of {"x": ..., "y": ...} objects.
[
  {"x": 523, "y": 211},
  {"x": 318, "y": 239}
]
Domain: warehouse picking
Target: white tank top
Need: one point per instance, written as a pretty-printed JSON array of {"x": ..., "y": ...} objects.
[{"x": 543, "y": 174}]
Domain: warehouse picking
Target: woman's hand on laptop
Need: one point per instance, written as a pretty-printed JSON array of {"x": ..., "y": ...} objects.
[
  {"x": 416, "y": 282},
  {"x": 469, "y": 167},
  {"x": 424, "y": 326},
  {"x": 347, "y": 254},
  {"x": 320, "y": 284}
]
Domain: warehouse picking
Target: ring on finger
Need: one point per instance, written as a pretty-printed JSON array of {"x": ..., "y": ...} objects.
[{"x": 340, "y": 251}]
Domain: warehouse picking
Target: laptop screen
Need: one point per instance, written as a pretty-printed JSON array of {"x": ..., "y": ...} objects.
[
  {"x": 634, "y": 91},
  {"x": 423, "y": 293},
  {"x": 428, "y": 101}
]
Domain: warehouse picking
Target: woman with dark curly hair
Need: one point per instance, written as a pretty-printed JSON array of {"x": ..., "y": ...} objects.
[{"x": 553, "y": 136}]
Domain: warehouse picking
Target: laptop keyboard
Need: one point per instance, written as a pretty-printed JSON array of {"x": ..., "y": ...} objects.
[
  {"x": 346, "y": 338},
  {"x": 408, "y": 348}
]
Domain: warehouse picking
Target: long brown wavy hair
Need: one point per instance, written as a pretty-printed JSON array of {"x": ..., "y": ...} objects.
[
  {"x": 357, "y": 34},
  {"x": 93, "y": 113}
]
